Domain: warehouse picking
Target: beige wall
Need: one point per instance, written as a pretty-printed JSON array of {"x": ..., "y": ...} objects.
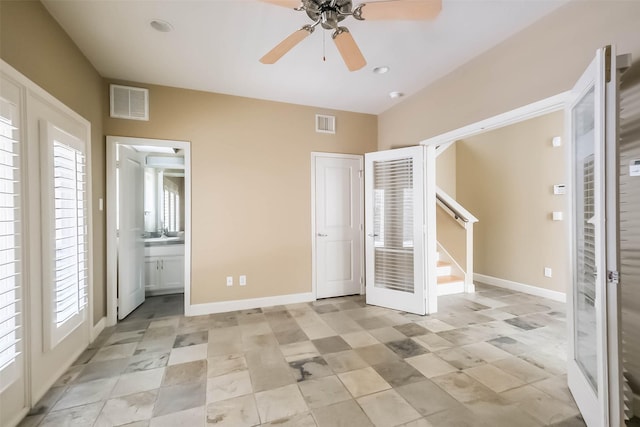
[
  {"x": 505, "y": 178},
  {"x": 32, "y": 42},
  {"x": 446, "y": 171},
  {"x": 541, "y": 61},
  {"x": 251, "y": 184}
]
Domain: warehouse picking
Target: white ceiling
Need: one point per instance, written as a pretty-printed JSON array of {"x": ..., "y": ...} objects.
[{"x": 216, "y": 44}]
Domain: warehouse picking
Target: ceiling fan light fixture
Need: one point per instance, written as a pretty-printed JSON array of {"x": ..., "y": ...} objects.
[
  {"x": 161, "y": 26},
  {"x": 381, "y": 70},
  {"x": 395, "y": 94}
]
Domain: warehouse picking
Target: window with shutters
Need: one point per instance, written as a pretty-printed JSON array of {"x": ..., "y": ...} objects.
[
  {"x": 10, "y": 237},
  {"x": 66, "y": 266}
]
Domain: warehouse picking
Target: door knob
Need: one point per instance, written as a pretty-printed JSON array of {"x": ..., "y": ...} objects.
[{"x": 322, "y": 235}]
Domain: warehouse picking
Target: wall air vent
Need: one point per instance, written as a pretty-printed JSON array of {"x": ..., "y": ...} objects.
[
  {"x": 325, "y": 124},
  {"x": 129, "y": 102}
]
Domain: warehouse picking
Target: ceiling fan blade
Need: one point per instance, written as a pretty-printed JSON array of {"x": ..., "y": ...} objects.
[
  {"x": 286, "y": 45},
  {"x": 348, "y": 49},
  {"x": 290, "y": 4},
  {"x": 408, "y": 10}
]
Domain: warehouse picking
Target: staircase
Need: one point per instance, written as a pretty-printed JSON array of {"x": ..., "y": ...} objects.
[{"x": 450, "y": 278}]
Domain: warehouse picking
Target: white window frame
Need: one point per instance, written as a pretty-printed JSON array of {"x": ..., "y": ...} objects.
[{"x": 53, "y": 333}]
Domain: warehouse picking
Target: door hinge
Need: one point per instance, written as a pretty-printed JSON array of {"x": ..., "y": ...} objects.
[
  {"x": 361, "y": 280},
  {"x": 117, "y": 163},
  {"x": 613, "y": 277},
  {"x": 360, "y": 172}
]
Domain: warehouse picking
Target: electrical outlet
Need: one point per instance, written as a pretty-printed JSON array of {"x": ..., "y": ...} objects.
[
  {"x": 547, "y": 272},
  {"x": 229, "y": 280},
  {"x": 243, "y": 280}
]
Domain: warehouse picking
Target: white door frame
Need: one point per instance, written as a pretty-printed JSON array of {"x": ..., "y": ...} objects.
[
  {"x": 112, "y": 241},
  {"x": 315, "y": 155}
]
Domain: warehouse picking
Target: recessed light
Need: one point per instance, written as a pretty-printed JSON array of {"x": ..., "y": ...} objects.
[
  {"x": 396, "y": 94},
  {"x": 160, "y": 25},
  {"x": 381, "y": 70}
]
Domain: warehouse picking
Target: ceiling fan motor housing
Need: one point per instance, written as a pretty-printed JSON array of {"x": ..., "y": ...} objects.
[{"x": 329, "y": 12}]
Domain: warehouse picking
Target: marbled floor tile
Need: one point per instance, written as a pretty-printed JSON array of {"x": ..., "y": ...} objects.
[
  {"x": 387, "y": 409},
  {"x": 521, "y": 369},
  {"x": 298, "y": 351},
  {"x": 160, "y": 345},
  {"x": 546, "y": 362},
  {"x": 185, "y": 373},
  {"x": 220, "y": 365},
  {"x": 84, "y": 393},
  {"x": 458, "y": 416},
  {"x": 430, "y": 365},
  {"x": 288, "y": 336},
  {"x": 146, "y": 361},
  {"x": 363, "y": 381},
  {"x": 194, "y": 417},
  {"x": 48, "y": 401},
  {"x": 501, "y": 414},
  {"x": 387, "y": 334},
  {"x": 463, "y": 387},
  {"x": 86, "y": 356},
  {"x": 494, "y": 378},
  {"x": 256, "y": 342},
  {"x": 375, "y": 354},
  {"x": 125, "y": 337},
  {"x": 341, "y": 323},
  {"x": 78, "y": 416},
  {"x": 486, "y": 351},
  {"x": 300, "y": 420},
  {"x": 227, "y": 386},
  {"x": 556, "y": 387},
  {"x": 280, "y": 403},
  {"x": 510, "y": 345},
  {"x": 127, "y": 409},
  {"x": 544, "y": 408},
  {"x": 69, "y": 376},
  {"x": 359, "y": 339},
  {"x": 160, "y": 333},
  {"x": 398, "y": 373},
  {"x": 323, "y": 391},
  {"x": 312, "y": 368},
  {"x": 373, "y": 322},
  {"x": 100, "y": 370},
  {"x": 411, "y": 329},
  {"x": 187, "y": 354},
  {"x": 193, "y": 338},
  {"x": 435, "y": 325},
  {"x": 237, "y": 412},
  {"x": 407, "y": 348},
  {"x": 136, "y": 382},
  {"x": 179, "y": 397},
  {"x": 343, "y": 414},
  {"x": 331, "y": 344},
  {"x": 223, "y": 320},
  {"x": 460, "y": 358},
  {"x": 324, "y": 308},
  {"x": 426, "y": 397},
  {"x": 433, "y": 342},
  {"x": 345, "y": 361},
  {"x": 115, "y": 351}
]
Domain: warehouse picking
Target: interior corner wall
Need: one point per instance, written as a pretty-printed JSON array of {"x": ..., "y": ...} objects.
[
  {"x": 542, "y": 60},
  {"x": 505, "y": 178},
  {"x": 446, "y": 171},
  {"x": 251, "y": 184},
  {"x": 32, "y": 42}
]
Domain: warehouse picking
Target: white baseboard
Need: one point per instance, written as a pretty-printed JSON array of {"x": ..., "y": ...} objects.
[
  {"x": 97, "y": 329},
  {"x": 246, "y": 304},
  {"x": 521, "y": 287}
]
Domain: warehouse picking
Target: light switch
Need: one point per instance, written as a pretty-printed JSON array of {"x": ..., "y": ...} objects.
[
  {"x": 229, "y": 280},
  {"x": 556, "y": 141},
  {"x": 243, "y": 280},
  {"x": 547, "y": 272}
]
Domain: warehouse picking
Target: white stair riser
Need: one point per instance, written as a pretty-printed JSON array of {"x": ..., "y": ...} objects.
[{"x": 444, "y": 270}]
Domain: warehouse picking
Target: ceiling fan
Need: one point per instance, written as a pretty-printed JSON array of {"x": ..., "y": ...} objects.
[{"x": 329, "y": 14}]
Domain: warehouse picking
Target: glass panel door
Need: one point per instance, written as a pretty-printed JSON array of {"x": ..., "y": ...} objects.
[{"x": 394, "y": 200}]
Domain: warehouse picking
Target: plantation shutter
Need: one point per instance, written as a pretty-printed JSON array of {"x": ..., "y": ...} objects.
[
  {"x": 10, "y": 236},
  {"x": 393, "y": 224},
  {"x": 68, "y": 264}
]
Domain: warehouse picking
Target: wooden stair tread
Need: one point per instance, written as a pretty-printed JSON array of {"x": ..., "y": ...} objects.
[
  {"x": 443, "y": 264},
  {"x": 445, "y": 280}
]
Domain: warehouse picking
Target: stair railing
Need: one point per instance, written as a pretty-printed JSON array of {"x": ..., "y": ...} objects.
[{"x": 465, "y": 219}]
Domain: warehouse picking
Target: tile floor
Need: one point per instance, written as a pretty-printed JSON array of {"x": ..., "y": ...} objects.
[{"x": 493, "y": 358}]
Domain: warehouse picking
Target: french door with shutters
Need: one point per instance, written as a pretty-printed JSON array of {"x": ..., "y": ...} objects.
[
  {"x": 593, "y": 364},
  {"x": 338, "y": 224},
  {"x": 397, "y": 219}
]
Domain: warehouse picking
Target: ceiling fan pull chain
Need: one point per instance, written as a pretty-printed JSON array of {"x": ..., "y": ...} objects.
[{"x": 324, "y": 47}]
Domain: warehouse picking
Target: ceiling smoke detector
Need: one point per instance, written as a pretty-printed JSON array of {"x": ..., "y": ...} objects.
[
  {"x": 395, "y": 94},
  {"x": 381, "y": 70}
]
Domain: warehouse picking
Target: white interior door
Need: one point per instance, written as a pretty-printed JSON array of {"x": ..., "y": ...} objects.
[
  {"x": 131, "y": 226},
  {"x": 395, "y": 224},
  {"x": 338, "y": 224},
  {"x": 592, "y": 308}
]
